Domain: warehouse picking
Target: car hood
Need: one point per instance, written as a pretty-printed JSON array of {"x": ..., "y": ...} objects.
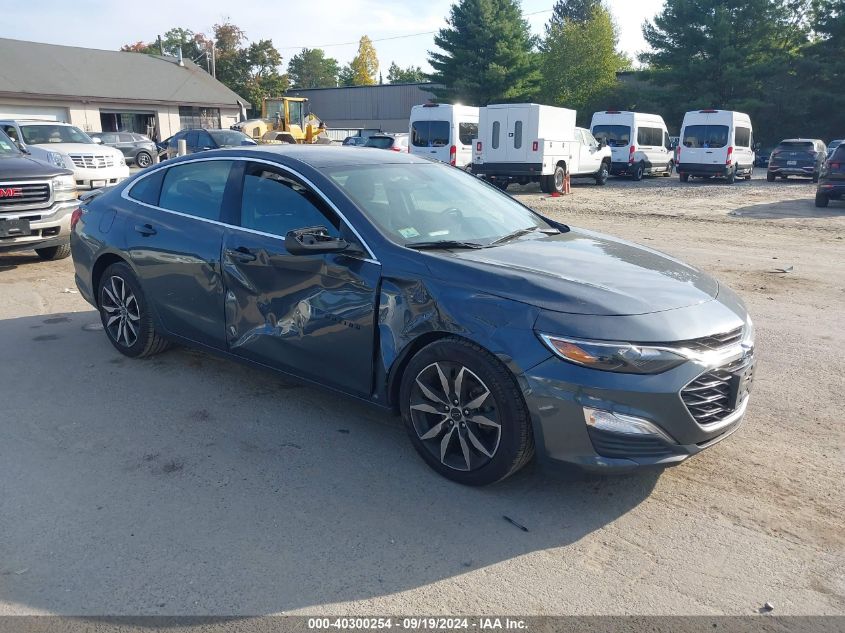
[
  {"x": 21, "y": 166},
  {"x": 579, "y": 272}
]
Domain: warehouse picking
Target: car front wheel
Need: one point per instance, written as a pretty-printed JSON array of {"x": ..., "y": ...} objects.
[
  {"x": 465, "y": 413},
  {"x": 53, "y": 252},
  {"x": 125, "y": 314},
  {"x": 143, "y": 159},
  {"x": 602, "y": 174}
]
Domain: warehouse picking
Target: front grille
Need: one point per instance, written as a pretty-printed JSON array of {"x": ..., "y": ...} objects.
[
  {"x": 92, "y": 161},
  {"x": 712, "y": 342},
  {"x": 708, "y": 397},
  {"x": 626, "y": 446},
  {"x": 17, "y": 194}
]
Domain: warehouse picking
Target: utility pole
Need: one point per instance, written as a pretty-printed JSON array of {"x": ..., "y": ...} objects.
[
  {"x": 160, "y": 46},
  {"x": 213, "y": 60}
]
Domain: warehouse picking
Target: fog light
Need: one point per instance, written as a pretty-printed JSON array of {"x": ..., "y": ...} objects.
[{"x": 623, "y": 424}]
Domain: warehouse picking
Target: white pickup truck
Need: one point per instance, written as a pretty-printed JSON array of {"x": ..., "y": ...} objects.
[{"x": 528, "y": 142}]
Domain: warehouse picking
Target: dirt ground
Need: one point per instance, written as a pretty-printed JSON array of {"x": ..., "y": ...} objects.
[{"x": 189, "y": 485}]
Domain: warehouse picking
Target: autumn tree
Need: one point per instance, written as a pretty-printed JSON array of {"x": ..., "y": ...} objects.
[{"x": 364, "y": 65}]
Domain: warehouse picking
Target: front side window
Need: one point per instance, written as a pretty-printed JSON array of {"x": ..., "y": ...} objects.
[
  {"x": 45, "y": 134},
  {"x": 613, "y": 135},
  {"x": 275, "y": 203},
  {"x": 7, "y": 146},
  {"x": 196, "y": 188},
  {"x": 650, "y": 136},
  {"x": 497, "y": 127},
  {"x": 430, "y": 133},
  {"x": 412, "y": 203},
  {"x": 705, "y": 136},
  {"x": 467, "y": 132},
  {"x": 742, "y": 136}
]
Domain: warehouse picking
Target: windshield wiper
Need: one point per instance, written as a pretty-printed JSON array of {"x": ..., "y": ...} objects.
[
  {"x": 435, "y": 244},
  {"x": 525, "y": 231}
]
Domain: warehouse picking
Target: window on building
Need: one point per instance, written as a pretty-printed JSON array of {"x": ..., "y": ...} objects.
[{"x": 194, "y": 117}]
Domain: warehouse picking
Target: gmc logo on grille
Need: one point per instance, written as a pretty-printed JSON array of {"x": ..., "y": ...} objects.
[{"x": 11, "y": 192}]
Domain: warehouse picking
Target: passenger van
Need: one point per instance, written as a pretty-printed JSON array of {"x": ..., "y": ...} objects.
[
  {"x": 444, "y": 132},
  {"x": 639, "y": 142},
  {"x": 715, "y": 143}
]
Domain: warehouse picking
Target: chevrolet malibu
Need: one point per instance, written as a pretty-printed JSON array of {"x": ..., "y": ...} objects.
[{"x": 496, "y": 333}]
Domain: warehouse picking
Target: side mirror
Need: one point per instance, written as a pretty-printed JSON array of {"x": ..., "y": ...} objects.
[
  {"x": 97, "y": 140},
  {"x": 22, "y": 147},
  {"x": 602, "y": 143},
  {"x": 313, "y": 240}
]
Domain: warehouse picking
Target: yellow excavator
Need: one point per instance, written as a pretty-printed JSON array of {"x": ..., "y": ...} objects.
[{"x": 285, "y": 120}]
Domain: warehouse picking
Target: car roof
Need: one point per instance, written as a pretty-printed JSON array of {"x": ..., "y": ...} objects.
[
  {"x": 36, "y": 122},
  {"x": 801, "y": 140},
  {"x": 317, "y": 156}
]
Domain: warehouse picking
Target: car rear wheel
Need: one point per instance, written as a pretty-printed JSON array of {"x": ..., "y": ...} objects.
[
  {"x": 816, "y": 177},
  {"x": 465, "y": 413},
  {"x": 669, "y": 169},
  {"x": 53, "y": 252},
  {"x": 143, "y": 159},
  {"x": 638, "y": 172},
  {"x": 684, "y": 177},
  {"x": 501, "y": 184},
  {"x": 822, "y": 200},
  {"x": 125, "y": 314},
  {"x": 731, "y": 177},
  {"x": 770, "y": 177}
]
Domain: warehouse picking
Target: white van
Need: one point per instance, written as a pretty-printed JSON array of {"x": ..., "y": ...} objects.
[
  {"x": 529, "y": 142},
  {"x": 444, "y": 132},
  {"x": 715, "y": 143},
  {"x": 639, "y": 142}
]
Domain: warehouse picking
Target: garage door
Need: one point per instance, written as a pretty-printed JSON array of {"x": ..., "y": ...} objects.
[{"x": 8, "y": 111}]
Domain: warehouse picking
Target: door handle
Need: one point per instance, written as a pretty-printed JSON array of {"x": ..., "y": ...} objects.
[
  {"x": 241, "y": 254},
  {"x": 145, "y": 229}
]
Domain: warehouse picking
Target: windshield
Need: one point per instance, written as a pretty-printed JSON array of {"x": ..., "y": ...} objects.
[
  {"x": 614, "y": 135},
  {"x": 416, "y": 203},
  {"x": 705, "y": 136},
  {"x": 230, "y": 138},
  {"x": 7, "y": 147},
  {"x": 43, "y": 134}
]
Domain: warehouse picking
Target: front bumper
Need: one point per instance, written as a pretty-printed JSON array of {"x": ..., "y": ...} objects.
[
  {"x": 95, "y": 178},
  {"x": 558, "y": 392},
  {"x": 48, "y": 227}
]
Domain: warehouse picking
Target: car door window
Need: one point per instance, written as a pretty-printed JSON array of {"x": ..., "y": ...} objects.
[
  {"x": 204, "y": 140},
  {"x": 125, "y": 138},
  {"x": 11, "y": 132},
  {"x": 196, "y": 188},
  {"x": 275, "y": 203}
]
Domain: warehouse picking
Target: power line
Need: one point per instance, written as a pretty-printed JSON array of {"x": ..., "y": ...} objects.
[{"x": 392, "y": 37}]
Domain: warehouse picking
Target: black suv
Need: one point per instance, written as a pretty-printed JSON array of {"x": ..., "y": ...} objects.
[
  {"x": 832, "y": 179},
  {"x": 203, "y": 140},
  {"x": 797, "y": 157},
  {"x": 37, "y": 200}
]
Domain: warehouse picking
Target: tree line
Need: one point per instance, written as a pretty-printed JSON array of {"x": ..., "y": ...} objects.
[
  {"x": 254, "y": 69},
  {"x": 780, "y": 61}
]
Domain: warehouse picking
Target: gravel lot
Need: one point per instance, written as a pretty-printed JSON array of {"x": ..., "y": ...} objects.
[{"x": 189, "y": 485}]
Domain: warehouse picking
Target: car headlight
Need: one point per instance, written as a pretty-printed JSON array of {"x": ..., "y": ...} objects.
[
  {"x": 57, "y": 159},
  {"x": 748, "y": 334},
  {"x": 64, "y": 188},
  {"x": 626, "y": 358}
]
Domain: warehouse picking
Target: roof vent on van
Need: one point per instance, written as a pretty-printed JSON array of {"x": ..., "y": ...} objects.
[
  {"x": 612, "y": 112},
  {"x": 431, "y": 105},
  {"x": 707, "y": 111}
]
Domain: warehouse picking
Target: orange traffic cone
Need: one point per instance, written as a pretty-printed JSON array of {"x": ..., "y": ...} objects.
[{"x": 567, "y": 187}]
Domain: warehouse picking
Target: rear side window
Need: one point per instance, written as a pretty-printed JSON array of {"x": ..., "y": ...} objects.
[
  {"x": 705, "y": 136},
  {"x": 196, "y": 188},
  {"x": 381, "y": 142},
  {"x": 517, "y": 135},
  {"x": 148, "y": 188},
  {"x": 839, "y": 154},
  {"x": 497, "y": 127},
  {"x": 650, "y": 136},
  {"x": 430, "y": 133},
  {"x": 125, "y": 138},
  {"x": 742, "y": 137},
  {"x": 613, "y": 135},
  {"x": 467, "y": 132}
]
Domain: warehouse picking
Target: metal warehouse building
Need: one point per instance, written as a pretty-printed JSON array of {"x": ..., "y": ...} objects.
[
  {"x": 111, "y": 91},
  {"x": 385, "y": 107}
]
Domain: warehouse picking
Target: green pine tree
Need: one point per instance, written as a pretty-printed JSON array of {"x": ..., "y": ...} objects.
[
  {"x": 486, "y": 54},
  {"x": 312, "y": 69}
]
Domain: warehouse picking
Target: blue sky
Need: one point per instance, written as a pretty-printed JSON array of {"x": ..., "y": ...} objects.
[{"x": 109, "y": 24}]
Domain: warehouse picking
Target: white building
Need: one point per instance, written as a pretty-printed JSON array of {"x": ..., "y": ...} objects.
[{"x": 109, "y": 91}]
